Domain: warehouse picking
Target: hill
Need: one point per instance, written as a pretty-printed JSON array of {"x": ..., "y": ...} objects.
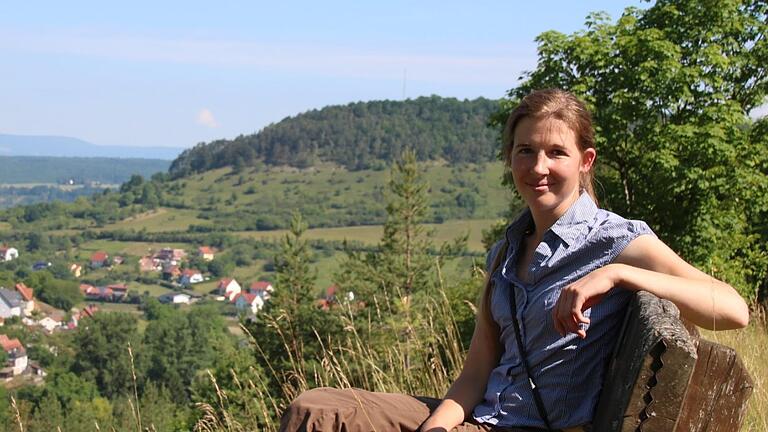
[
  {"x": 359, "y": 136},
  {"x": 59, "y": 146},
  {"x": 258, "y": 199}
]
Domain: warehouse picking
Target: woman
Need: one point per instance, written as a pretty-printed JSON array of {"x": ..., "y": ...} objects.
[{"x": 550, "y": 292}]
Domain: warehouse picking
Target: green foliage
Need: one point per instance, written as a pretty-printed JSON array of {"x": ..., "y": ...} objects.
[
  {"x": 290, "y": 329},
  {"x": 177, "y": 345},
  {"x": 102, "y": 354},
  {"x": 63, "y": 294},
  {"x": 671, "y": 87}
]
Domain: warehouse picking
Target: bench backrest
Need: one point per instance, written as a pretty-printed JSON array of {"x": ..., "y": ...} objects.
[{"x": 663, "y": 377}]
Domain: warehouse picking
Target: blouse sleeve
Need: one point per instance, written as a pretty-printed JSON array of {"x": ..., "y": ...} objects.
[{"x": 618, "y": 233}]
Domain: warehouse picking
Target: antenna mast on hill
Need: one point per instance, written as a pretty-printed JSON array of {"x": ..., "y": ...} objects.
[{"x": 405, "y": 76}]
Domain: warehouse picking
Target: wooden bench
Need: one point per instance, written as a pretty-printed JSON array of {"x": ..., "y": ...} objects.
[{"x": 663, "y": 377}]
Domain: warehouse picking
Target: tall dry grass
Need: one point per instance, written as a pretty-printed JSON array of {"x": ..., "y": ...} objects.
[
  {"x": 424, "y": 359},
  {"x": 752, "y": 345},
  {"x": 435, "y": 345}
]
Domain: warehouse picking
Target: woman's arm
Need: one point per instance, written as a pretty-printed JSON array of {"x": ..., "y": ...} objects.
[
  {"x": 468, "y": 389},
  {"x": 648, "y": 264}
]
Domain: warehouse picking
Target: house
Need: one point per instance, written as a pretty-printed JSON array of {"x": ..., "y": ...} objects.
[
  {"x": 28, "y": 299},
  {"x": 206, "y": 253},
  {"x": 330, "y": 298},
  {"x": 147, "y": 264},
  {"x": 175, "y": 298},
  {"x": 171, "y": 272},
  {"x": 10, "y": 303},
  {"x": 49, "y": 323},
  {"x": 118, "y": 260},
  {"x": 17, "y": 356},
  {"x": 87, "y": 289},
  {"x": 91, "y": 292},
  {"x": 247, "y": 302},
  {"x": 113, "y": 292},
  {"x": 76, "y": 270},
  {"x": 86, "y": 312},
  {"x": 190, "y": 276},
  {"x": 8, "y": 253},
  {"x": 119, "y": 291},
  {"x": 170, "y": 256},
  {"x": 262, "y": 289},
  {"x": 229, "y": 288},
  {"x": 99, "y": 259}
]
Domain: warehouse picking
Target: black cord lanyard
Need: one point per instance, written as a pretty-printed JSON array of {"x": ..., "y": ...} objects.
[{"x": 521, "y": 348}]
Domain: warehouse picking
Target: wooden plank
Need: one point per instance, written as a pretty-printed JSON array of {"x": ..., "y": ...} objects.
[
  {"x": 639, "y": 393},
  {"x": 718, "y": 392}
]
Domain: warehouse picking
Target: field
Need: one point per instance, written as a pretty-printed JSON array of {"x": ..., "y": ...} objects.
[
  {"x": 160, "y": 220},
  {"x": 371, "y": 234}
]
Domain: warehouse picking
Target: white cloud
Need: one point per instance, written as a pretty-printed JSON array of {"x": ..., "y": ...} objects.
[{"x": 205, "y": 117}]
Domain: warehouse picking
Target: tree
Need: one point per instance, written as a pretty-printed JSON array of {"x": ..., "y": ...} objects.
[
  {"x": 179, "y": 345},
  {"x": 103, "y": 357},
  {"x": 671, "y": 88},
  {"x": 401, "y": 263},
  {"x": 290, "y": 327}
]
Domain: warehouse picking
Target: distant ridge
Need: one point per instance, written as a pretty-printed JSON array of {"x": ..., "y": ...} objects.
[
  {"x": 358, "y": 136},
  {"x": 60, "y": 146}
]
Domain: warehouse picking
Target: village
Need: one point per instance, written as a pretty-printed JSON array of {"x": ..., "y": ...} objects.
[{"x": 170, "y": 266}]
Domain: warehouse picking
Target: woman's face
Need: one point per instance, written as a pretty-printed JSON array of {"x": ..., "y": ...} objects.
[{"x": 547, "y": 164}]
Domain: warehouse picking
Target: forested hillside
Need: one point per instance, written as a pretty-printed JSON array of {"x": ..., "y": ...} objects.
[{"x": 359, "y": 136}]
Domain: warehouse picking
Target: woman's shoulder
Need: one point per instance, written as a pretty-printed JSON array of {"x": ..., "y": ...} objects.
[
  {"x": 611, "y": 232},
  {"x": 609, "y": 223}
]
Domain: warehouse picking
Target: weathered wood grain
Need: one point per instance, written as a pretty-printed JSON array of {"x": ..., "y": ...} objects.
[
  {"x": 648, "y": 375},
  {"x": 718, "y": 392}
]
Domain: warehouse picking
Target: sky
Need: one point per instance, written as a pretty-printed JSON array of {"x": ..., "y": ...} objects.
[{"x": 173, "y": 73}]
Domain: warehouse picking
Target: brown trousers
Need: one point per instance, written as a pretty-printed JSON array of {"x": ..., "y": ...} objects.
[{"x": 356, "y": 410}]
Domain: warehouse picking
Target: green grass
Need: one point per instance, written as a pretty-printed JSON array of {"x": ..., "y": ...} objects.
[
  {"x": 371, "y": 234},
  {"x": 159, "y": 220},
  {"x": 325, "y": 194},
  {"x": 136, "y": 249}
]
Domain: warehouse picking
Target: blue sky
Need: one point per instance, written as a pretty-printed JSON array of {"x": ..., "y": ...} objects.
[{"x": 177, "y": 73}]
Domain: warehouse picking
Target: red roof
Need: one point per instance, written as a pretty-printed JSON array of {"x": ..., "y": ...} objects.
[
  {"x": 260, "y": 286},
  {"x": 118, "y": 287},
  {"x": 99, "y": 256},
  {"x": 190, "y": 272},
  {"x": 10, "y": 344},
  {"x": 89, "y": 310},
  {"x": 224, "y": 282},
  {"x": 331, "y": 291},
  {"x": 205, "y": 250},
  {"x": 25, "y": 291},
  {"x": 249, "y": 298},
  {"x": 86, "y": 288}
]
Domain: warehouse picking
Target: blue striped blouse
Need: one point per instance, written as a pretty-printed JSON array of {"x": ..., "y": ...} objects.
[{"x": 568, "y": 370}]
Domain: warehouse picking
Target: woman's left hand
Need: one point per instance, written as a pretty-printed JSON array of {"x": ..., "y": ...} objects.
[{"x": 568, "y": 313}]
